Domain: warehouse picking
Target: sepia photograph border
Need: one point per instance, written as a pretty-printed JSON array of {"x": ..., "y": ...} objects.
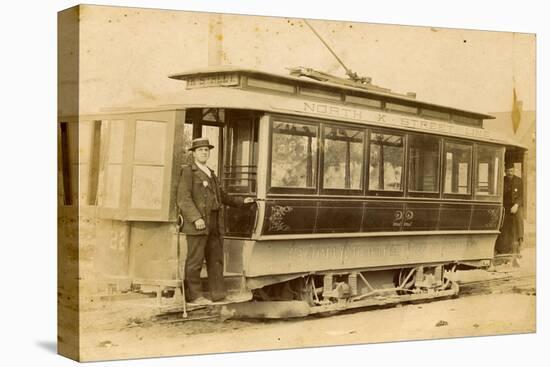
[{"x": 485, "y": 349}]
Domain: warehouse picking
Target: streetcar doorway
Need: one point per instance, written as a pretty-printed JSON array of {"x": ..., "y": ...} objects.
[
  {"x": 234, "y": 158},
  {"x": 510, "y": 240},
  {"x": 514, "y": 157},
  {"x": 234, "y": 134}
]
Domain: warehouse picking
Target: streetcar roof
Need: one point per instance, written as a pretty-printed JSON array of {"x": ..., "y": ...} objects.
[
  {"x": 233, "y": 98},
  {"x": 360, "y": 88}
]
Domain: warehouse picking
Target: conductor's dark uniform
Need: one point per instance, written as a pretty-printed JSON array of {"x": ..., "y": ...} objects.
[
  {"x": 511, "y": 233},
  {"x": 200, "y": 196}
]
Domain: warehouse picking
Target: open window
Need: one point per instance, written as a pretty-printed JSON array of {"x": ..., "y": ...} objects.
[
  {"x": 458, "y": 169},
  {"x": 488, "y": 183},
  {"x": 386, "y": 155},
  {"x": 294, "y": 156},
  {"x": 424, "y": 165},
  {"x": 241, "y": 152},
  {"x": 342, "y": 159}
]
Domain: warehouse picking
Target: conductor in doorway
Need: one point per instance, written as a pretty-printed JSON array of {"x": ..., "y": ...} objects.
[
  {"x": 511, "y": 235},
  {"x": 200, "y": 199}
]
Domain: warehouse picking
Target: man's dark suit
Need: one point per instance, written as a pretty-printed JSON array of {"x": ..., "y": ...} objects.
[
  {"x": 511, "y": 234},
  {"x": 200, "y": 196}
]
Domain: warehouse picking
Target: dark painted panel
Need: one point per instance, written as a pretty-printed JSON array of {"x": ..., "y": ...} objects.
[
  {"x": 485, "y": 217},
  {"x": 383, "y": 216},
  {"x": 239, "y": 221},
  {"x": 339, "y": 217},
  {"x": 454, "y": 217},
  {"x": 289, "y": 217},
  {"x": 421, "y": 217}
]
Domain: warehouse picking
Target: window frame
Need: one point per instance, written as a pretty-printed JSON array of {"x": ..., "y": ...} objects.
[
  {"x": 500, "y": 174},
  {"x": 387, "y": 193},
  {"x": 292, "y": 190},
  {"x": 393, "y": 106},
  {"x": 426, "y": 194},
  {"x": 337, "y": 94},
  {"x": 246, "y": 85},
  {"x": 124, "y": 209},
  {"x": 358, "y": 96},
  {"x": 320, "y": 125},
  {"x": 341, "y": 191},
  {"x": 254, "y": 123},
  {"x": 444, "y": 195}
]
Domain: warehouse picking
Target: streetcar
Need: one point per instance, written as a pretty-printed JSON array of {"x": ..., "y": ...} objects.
[{"x": 363, "y": 196}]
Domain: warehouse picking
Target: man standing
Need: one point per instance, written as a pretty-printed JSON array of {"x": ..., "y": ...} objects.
[
  {"x": 200, "y": 199},
  {"x": 511, "y": 235}
]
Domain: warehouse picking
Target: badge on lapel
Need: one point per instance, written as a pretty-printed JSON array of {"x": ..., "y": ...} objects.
[{"x": 205, "y": 183}]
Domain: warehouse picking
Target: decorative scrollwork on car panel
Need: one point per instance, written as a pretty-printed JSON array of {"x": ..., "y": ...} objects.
[{"x": 276, "y": 219}]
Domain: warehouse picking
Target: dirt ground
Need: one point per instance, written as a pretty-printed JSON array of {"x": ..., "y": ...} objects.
[{"x": 116, "y": 330}]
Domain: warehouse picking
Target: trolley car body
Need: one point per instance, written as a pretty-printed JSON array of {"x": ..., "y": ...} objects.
[{"x": 358, "y": 189}]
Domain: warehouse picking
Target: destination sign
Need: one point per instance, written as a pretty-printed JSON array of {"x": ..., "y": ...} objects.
[
  {"x": 213, "y": 80},
  {"x": 384, "y": 119}
]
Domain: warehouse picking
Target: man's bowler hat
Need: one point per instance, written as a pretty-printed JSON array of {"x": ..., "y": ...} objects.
[{"x": 200, "y": 142}]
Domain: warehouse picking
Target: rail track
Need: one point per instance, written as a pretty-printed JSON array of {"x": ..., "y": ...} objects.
[
  {"x": 505, "y": 283},
  {"x": 523, "y": 284}
]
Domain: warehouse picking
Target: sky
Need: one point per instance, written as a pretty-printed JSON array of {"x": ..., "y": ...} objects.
[{"x": 127, "y": 54}]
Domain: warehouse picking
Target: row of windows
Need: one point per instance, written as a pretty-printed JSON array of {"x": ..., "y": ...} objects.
[{"x": 307, "y": 156}]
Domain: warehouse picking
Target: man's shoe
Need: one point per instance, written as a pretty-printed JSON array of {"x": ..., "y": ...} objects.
[
  {"x": 221, "y": 300},
  {"x": 201, "y": 301},
  {"x": 218, "y": 297}
]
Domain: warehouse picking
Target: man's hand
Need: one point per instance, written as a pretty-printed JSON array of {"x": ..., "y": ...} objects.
[
  {"x": 249, "y": 200},
  {"x": 514, "y": 209},
  {"x": 200, "y": 224}
]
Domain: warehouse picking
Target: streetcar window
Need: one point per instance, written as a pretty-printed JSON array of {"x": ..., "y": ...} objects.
[
  {"x": 467, "y": 120},
  {"x": 488, "y": 164},
  {"x": 95, "y": 149},
  {"x": 343, "y": 158},
  {"x": 385, "y": 162},
  {"x": 242, "y": 154},
  {"x": 458, "y": 159},
  {"x": 401, "y": 108},
  {"x": 320, "y": 93},
  {"x": 212, "y": 133},
  {"x": 294, "y": 155},
  {"x": 114, "y": 164},
  {"x": 435, "y": 114},
  {"x": 266, "y": 84},
  {"x": 423, "y": 163},
  {"x": 364, "y": 101}
]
